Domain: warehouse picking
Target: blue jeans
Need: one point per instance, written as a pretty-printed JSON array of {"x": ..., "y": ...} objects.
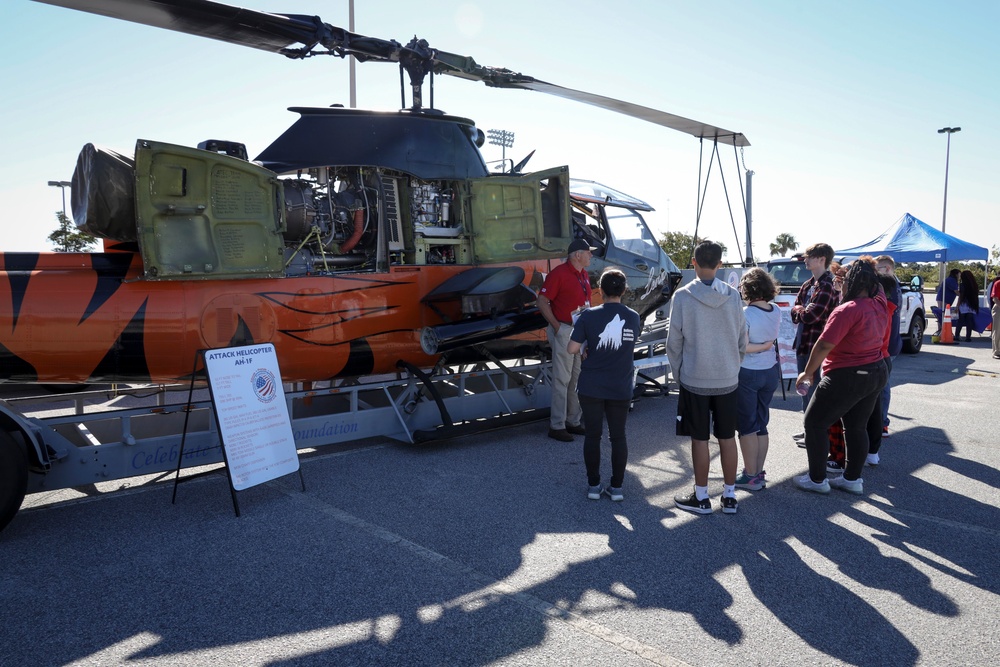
[
  {"x": 753, "y": 398},
  {"x": 594, "y": 412},
  {"x": 848, "y": 394}
]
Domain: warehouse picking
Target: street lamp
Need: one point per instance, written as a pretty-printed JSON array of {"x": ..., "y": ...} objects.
[
  {"x": 62, "y": 185},
  {"x": 944, "y": 212},
  {"x": 947, "y": 156}
]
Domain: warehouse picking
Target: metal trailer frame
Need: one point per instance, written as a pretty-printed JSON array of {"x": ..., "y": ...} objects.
[{"x": 75, "y": 440}]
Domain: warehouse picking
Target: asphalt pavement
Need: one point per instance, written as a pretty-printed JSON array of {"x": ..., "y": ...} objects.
[{"x": 486, "y": 550}]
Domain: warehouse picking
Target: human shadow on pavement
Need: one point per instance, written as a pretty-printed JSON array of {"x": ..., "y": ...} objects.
[{"x": 479, "y": 550}]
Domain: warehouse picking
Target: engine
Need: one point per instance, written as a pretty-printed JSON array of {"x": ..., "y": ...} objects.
[{"x": 331, "y": 213}]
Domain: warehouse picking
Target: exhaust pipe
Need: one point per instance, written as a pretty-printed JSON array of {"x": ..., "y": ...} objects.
[{"x": 447, "y": 337}]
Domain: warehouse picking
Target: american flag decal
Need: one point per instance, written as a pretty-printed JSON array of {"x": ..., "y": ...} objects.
[{"x": 264, "y": 385}]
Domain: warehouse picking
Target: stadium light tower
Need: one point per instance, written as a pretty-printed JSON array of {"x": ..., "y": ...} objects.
[{"x": 501, "y": 138}]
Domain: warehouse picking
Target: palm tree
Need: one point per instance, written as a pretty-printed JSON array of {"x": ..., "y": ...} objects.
[{"x": 782, "y": 244}]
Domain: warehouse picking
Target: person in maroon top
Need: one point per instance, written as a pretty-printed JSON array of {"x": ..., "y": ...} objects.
[
  {"x": 854, "y": 372},
  {"x": 564, "y": 294}
]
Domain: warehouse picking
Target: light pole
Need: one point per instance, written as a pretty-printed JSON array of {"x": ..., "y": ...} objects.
[
  {"x": 944, "y": 212},
  {"x": 62, "y": 185},
  {"x": 947, "y": 156},
  {"x": 351, "y": 72}
]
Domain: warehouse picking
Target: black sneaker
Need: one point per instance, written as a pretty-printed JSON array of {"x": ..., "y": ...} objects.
[
  {"x": 729, "y": 505},
  {"x": 691, "y": 503},
  {"x": 562, "y": 435}
]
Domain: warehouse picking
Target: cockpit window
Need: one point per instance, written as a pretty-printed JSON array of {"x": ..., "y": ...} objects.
[
  {"x": 630, "y": 233},
  {"x": 592, "y": 191}
]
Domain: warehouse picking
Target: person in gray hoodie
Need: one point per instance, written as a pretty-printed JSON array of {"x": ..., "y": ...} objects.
[{"x": 706, "y": 341}]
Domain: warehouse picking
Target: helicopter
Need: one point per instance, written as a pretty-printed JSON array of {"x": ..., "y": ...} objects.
[{"x": 356, "y": 241}]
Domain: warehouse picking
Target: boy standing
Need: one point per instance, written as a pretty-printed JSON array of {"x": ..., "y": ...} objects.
[{"x": 706, "y": 340}]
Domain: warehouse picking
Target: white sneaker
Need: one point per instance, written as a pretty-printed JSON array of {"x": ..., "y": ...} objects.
[
  {"x": 855, "y": 486},
  {"x": 872, "y": 460},
  {"x": 806, "y": 484}
]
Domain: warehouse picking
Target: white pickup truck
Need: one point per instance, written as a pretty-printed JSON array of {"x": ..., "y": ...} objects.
[{"x": 791, "y": 273}]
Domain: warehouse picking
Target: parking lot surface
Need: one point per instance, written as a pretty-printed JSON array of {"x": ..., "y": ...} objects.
[{"x": 486, "y": 550}]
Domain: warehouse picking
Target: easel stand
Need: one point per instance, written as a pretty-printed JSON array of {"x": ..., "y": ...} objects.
[{"x": 247, "y": 382}]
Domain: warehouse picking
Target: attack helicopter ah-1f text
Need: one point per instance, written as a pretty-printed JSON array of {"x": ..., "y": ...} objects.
[{"x": 355, "y": 241}]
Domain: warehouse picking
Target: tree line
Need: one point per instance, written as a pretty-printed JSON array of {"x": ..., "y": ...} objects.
[{"x": 680, "y": 247}]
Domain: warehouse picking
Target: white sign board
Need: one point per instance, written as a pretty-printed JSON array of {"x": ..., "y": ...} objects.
[
  {"x": 786, "y": 337},
  {"x": 253, "y": 419}
]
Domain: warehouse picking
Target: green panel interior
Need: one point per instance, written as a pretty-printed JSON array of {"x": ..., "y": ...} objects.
[
  {"x": 202, "y": 215},
  {"x": 515, "y": 218}
]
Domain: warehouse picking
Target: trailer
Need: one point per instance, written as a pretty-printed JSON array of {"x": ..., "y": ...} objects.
[{"x": 50, "y": 442}]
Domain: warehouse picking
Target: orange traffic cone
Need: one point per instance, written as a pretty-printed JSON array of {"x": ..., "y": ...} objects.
[{"x": 946, "y": 336}]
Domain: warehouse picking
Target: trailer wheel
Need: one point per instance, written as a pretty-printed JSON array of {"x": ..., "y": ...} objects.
[{"x": 13, "y": 477}]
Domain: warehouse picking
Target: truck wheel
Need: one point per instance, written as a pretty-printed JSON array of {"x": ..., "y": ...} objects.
[
  {"x": 913, "y": 344},
  {"x": 13, "y": 477}
]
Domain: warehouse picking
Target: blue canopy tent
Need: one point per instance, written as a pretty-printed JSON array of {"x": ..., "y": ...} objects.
[{"x": 912, "y": 240}]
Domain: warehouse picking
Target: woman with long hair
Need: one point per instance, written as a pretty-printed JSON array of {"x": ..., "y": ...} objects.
[
  {"x": 854, "y": 372},
  {"x": 968, "y": 304}
]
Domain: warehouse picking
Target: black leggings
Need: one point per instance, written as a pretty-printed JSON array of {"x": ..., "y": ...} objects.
[
  {"x": 848, "y": 394},
  {"x": 594, "y": 412},
  {"x": 967, "y": 320}
]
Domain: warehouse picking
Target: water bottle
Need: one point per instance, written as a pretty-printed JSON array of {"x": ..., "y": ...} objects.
[{"x": 802, "y": 388}]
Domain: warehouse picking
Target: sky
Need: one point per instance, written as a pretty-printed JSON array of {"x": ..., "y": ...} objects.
[{"x": 841, "y": 103}]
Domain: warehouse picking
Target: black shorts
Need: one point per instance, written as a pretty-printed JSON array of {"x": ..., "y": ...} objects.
[{"x": 697, "y": 415}]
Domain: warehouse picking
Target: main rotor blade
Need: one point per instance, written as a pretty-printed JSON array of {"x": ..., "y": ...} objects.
[
  {"x": 279, "y": 32},
  {"x": 693, "y": 127},
  {"x": 270, "y": 32},
  {"x": 244, "y": 27}
]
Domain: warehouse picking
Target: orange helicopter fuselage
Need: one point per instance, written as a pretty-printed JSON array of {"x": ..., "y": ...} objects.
[{"x": 91, "y": 317}]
